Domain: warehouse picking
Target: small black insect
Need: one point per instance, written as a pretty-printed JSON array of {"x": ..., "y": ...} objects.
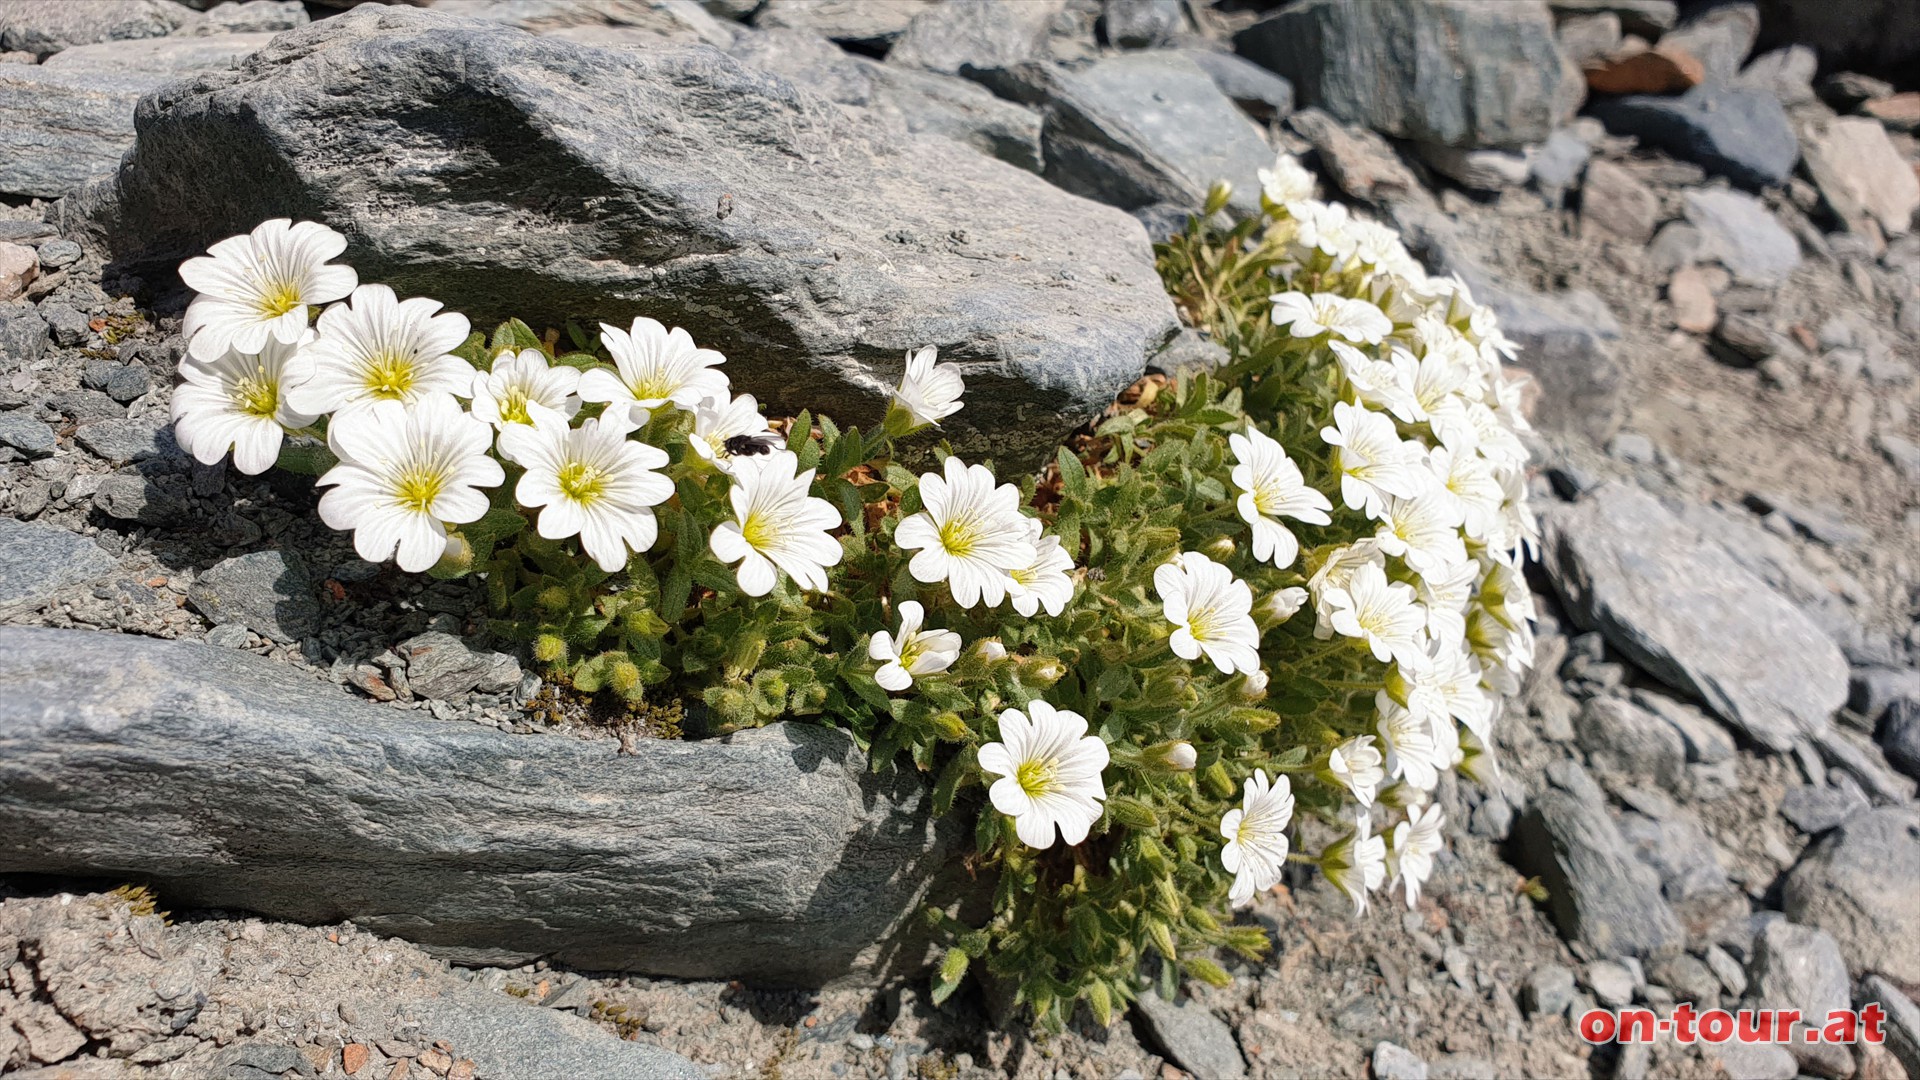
[{"x": 749, "y": 445}]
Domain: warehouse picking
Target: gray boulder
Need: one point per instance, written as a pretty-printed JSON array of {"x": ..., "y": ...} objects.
[
  {"x": 1720, "y": 36},
  {"x": 1859, "y": 884},
  {"x": 506, "y": 1040},
  {"x": 170, "y": 56},
  {"x": 806, "y": 59},
  {"x": 775, "y": 855},
  {"x": 269, "y": 592},
  {"x": 1142, "y": 128},
  {"x": 1251, "y": 86},
  {"x": 39, "y": 563},
  {"x": 925, "y": 103},
  {"x": 1798, "y": 967},
  {"x": 1597, "y": 891},
  {"x": 60, "y": 128},
  {"x": 813, "y": 248},
  {"x": 44, "y": 27},
  {"x": 628, "y": 20},
  {"x": 1743, "y": 135},
  {"x": 1685, "y": 612},
  {"x": 956, "y": 35},
  {"x": 1899, "y": 736},
  {"x": 1626, "y": 741},
  {"x": 864, "y": 24},
  {"x": 1142, "y": 24},
  {"x": 1192, "y": 1036},
  {"x": 1451, "y": 72}
]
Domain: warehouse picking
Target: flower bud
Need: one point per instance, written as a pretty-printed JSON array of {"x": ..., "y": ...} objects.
[
  {"x": 951, "y": 727},
  {"x": 1043, "y": 671},
  {"x": 991, "y": 649},
  {"x": 550, "y": 648},
  {"x": 622, "y": 676},
  {"x": 1220, "y": 548},
  {"x": 1218, "y": 196},
  {"x": 456, "y": 561},
  {"x": 1181, "y": 756},
  {"x": 1253, "y": 686},
  {"x": 1278, "y": 606},
  {"x": 554, "y": 600}
]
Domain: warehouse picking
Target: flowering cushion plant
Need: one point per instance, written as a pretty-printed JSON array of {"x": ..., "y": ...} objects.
[{"x": 1245, "y": 623}]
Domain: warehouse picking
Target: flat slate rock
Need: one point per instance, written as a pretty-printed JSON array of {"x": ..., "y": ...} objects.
[
  {"x": 38, "y": 563},
  {"x": 774, "y": 855},
  {"x": 1743, "y": 135},
  {"x": 811, "y": 246},
  {"x": 506, "y": 1040},
  {"x": 44, "y": 27},
  {"x": 1452, "y": 72},
  {"x": 269, "y": 592},
  {"x": 60, "y": 128},
  {"x": 1739, "y": 232},
  {"x": 1141, "y": 128},
  {"x": 171, "y": 56},
  {"x": 1681, "y": 609},
  {"x": 1859, "y": 884}
]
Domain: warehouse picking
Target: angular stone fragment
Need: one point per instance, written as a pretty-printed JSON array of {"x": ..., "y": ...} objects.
[{"x": 1685, "y": 612}]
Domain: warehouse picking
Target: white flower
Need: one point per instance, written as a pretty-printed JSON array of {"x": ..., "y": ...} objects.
[
  {"x": 1046, "y": 581},
  {"x": 928, "y": 392},
  {"x": 1336, "y": 570},
  {"x": 1181, "y": 756},
  {"x": 239, "y": 402},
  {"x": 1355, "y": 765},
  {"x": 1445, "y": 594},
  {"x": 1452, "y": 676},
  {"x": 1271, "y": 487},
  {"x": 1380, "y": 613},
  {"x": 1049, "y": 769},
  {"x": 1372, "y": 460},
  {"x": 258, "y": 287},
  {"x": 1330, "y": 313},
  {"x": 593, "y": 482},
  {"x": 992, "y": 650},
  {"x": 1287, "y": 184},
  {"x": 777, "y": 525},
  {"x": 725, "y": 431},
  {"x": 376, "y": 347},
  {"x": 1212, "y": 613},
  {"x": 1424, "y": 532},
  {"x": 1415, "y": 842},
  {"x": 1411, "y": 754},
  {"x": 654, "y": 367},
  {"x": 1467, "y": 482},
  {"x": 1323, "y": 227},
  {"x": 1356, "y": 864},
  {"x": 1256, "y": 835},
  {"x": 404, "y": 474},
  {"x": 970, "y": 534},
  {"x": 1373, "y": 381},
  {"x": 913, "y": 652},
  {"x": 1432, "y": 384},
  {"x": 524, "y": 389}
]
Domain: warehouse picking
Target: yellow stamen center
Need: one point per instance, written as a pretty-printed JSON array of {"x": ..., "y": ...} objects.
[
  {"x": 257, "y": 396},
  {"x": 278, "y": 298},
  {"x": 389, "y": 376},
  {"x": 959, "y": 536},
  {"x": 1200, "y": 623},
  {"x": 417, "y": 490},
  {"x": 652, "y": 388},
  {"x": 758, "y": 530},
  {"x": 1036, "y": 778},
  {"x": 513, "y": 408},
  {"x": 581, "y": 482}
]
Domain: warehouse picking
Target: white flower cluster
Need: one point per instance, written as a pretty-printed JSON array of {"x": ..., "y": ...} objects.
[
  {"x": 421, "y": 434},
  {"x": 1424, "y": 442}
]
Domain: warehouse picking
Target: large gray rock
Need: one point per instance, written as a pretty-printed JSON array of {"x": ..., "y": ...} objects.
[
  {"x": 811, "y": 247},
  {"x": 867, "y": 24},
  {"x": 677, "y": 20},
  {"x": 1743, "y": 135},
  {"x": 1859, "y": 884},
  {"x": 1452, "y": 72},
  {"x": 169, "y": 56},
  {"x": 38, "y": 563},
  {"x": 506, "y": 1040},
  {"x": 1799, "y": 967},
  {"x": 1597, "y": 891},
  {"x": 60, "y": 128},
  {"x": 926, "y": 103},
  {"x": 1192, "y": 1036},
  {"x": 806, "y": 59},
  {"x": 1142, "y": 128},
  {"x": 230, "y": 781},
  {"x": 1685, "y": 612},
  {"x": 44, "y": 27},
  {"x": 956, "y": 35},
  {"x": 1251, "y": 86},
  {"x": 269, "y": 592}
]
